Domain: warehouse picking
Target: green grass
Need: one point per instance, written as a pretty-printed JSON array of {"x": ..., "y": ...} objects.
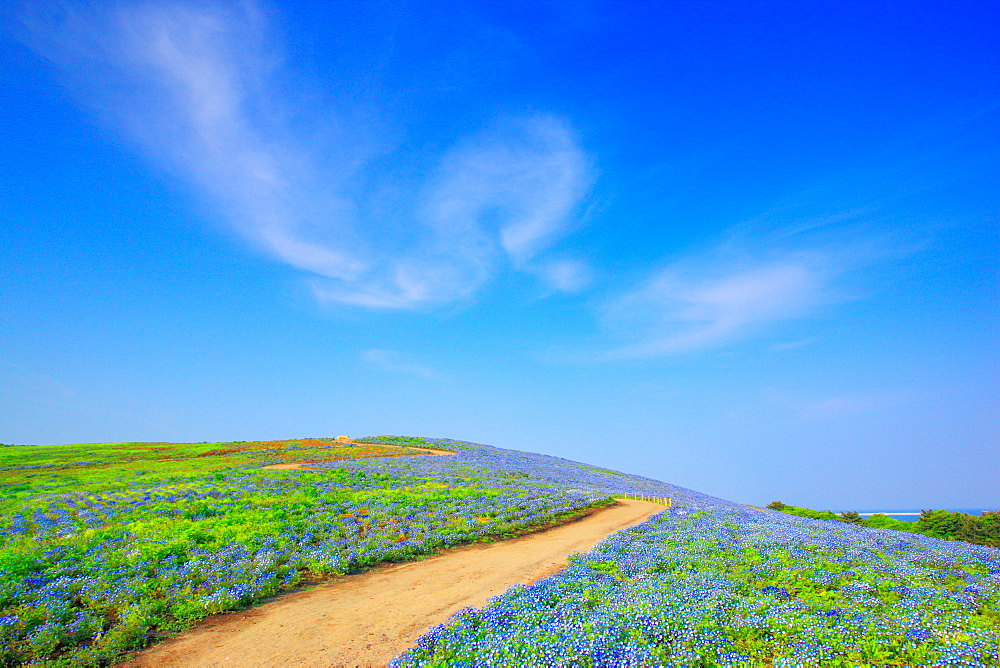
[
  {"x": 106, "y": 547},
  {"x": 91, "y": 467}
]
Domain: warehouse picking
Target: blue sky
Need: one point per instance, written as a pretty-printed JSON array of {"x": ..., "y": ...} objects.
[{"x": 747, "y": 248}]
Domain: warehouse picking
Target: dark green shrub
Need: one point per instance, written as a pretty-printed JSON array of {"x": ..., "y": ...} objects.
[
  {"x": 939, "y": 523},
  {"x": 880, "y": 521}
]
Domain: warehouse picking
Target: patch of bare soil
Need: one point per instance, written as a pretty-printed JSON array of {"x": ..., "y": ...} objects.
[
  {"x": 416, "y": 448},
  {"x": 367, "y": 619},
  {"x": 301, "y": 466},
  {"x": 304, "y": 466}
]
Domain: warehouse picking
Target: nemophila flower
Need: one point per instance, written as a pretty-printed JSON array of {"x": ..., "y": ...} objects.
[
  {"x": 708, "y": 581},
  {"x": 688, "y": 575},
  {"x": 776, "y": 591},
  {"x": 919, "y": 634}
]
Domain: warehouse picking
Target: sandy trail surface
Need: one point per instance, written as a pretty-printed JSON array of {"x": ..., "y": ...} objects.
[
  {"x": 304, "y": 466},
  {"x": 367, "y": 619}
]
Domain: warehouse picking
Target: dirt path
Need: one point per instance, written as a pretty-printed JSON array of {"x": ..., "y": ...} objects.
[
  {"x": 367, "y": 619},
  {"x": 304, "y": 466},
  {"x": 416, "y": 448}
]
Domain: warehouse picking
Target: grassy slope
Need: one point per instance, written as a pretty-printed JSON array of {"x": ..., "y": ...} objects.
[{"x": 107, "y": 547}]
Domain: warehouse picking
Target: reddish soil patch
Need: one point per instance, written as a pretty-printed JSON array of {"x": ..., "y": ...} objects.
[{"x": 304, "y": 466}]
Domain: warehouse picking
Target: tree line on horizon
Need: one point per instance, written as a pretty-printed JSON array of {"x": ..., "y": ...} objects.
[{"x": 982, "y": 530}]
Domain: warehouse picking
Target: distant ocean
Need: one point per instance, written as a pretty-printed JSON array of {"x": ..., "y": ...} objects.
[{"x": 914, "y": 515}]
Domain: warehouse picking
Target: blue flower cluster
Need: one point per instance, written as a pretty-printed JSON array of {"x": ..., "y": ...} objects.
[
  {"x": 499, "y": 466},
  {"x": 719, "y": 584},
  {"x": 85, "y": 576}
]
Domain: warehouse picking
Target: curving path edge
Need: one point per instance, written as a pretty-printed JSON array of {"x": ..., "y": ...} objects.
[{"x": 367, "y": 619}]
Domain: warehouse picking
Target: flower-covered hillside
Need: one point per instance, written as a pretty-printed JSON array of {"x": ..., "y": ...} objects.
[
  {"x": 104, "y": 548},
  {"x": 475, "y": 461},
  {"x": 91, "y": 567},
  {"x": 711, "y": 582}
]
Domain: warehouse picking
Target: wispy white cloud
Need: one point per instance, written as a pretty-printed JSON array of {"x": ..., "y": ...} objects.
[
  {"x": 565, "y": 275},
  {"x": 749, "y": 283},
  {"x": 397, "y": 363},
  {"x": 790, "y": 345},
  {"x": 202, "y": 88},
  {"x": 844, "y": 405},
  {"x": 193, "y": 85},
  {"x": 506, "y": 193},
  {"x": 526, "y": 174},
  {"x": 685, "y": 308}
]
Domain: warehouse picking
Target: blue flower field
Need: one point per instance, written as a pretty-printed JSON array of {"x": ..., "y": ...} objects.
[{"x": 104, "y": 554}]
